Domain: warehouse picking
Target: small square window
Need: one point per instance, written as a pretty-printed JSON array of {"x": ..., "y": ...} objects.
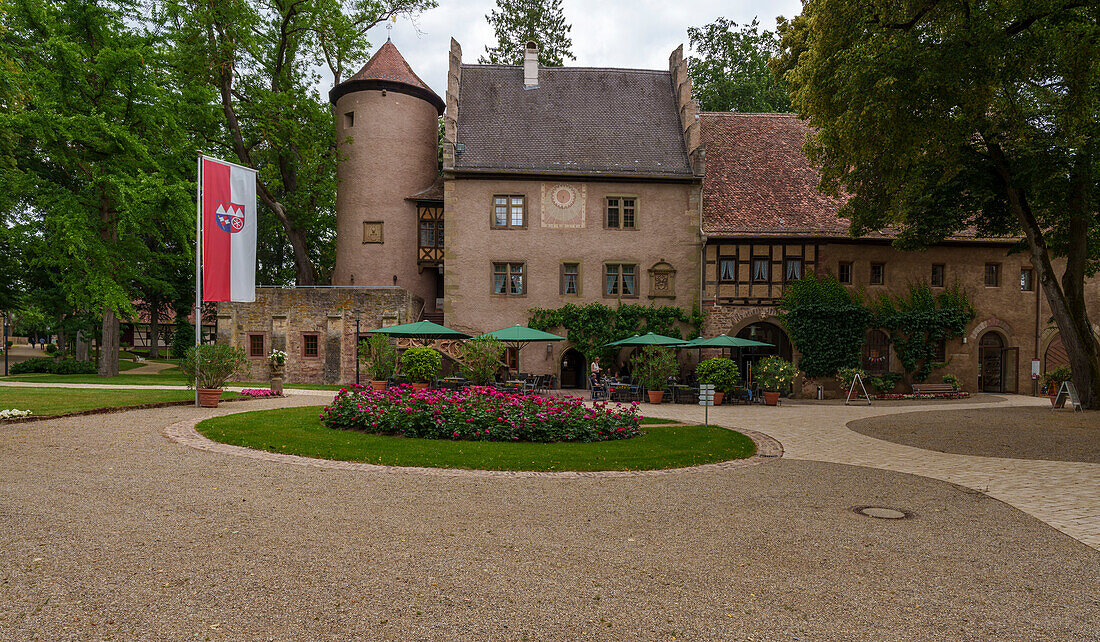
[
  {"x": 992, "y": 275},
  {"x": 620, "y": 212},
  {"x": 310, "y": 346},
  {"x": 509, "y": 211},
  {"x": 727, "y": 270},
  {"x": 1026, "y": 282},
  {"x": 760, "y": 269},
  {"x": 792, "y": 269},
  {"x": 256, "y": 345},
  {"x": 570, "y": 278},
  {"x": 844, "y": 272},
  {"x": 878, "y": 273},
  {"x": 937, "y": 275}
]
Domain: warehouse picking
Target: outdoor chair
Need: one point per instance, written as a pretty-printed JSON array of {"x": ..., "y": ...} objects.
[{"x": 599, "y": 390}]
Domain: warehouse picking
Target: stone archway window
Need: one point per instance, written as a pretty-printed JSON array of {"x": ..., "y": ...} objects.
[
  {"x": 876, "y": 352},
  {"x": 662, "y": 281}
]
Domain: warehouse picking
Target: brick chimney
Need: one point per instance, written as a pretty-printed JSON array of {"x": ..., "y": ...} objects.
[{"x": 531, "y": 65}]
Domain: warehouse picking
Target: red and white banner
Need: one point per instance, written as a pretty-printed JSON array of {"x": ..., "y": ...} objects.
[{"x": 228, "y": 232}]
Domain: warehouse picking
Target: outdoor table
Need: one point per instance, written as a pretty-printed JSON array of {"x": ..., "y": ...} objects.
[
  {"x": 616, "y": 388},
  {"x": 683, "y": 394}
]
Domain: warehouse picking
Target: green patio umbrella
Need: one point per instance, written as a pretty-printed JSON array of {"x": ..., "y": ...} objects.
[
  {"x": 421, "y": 330},
  {"x": 725, "y": 341},
  {"x": 519, "y": 336},
  {"x": 649, "y": 339}
]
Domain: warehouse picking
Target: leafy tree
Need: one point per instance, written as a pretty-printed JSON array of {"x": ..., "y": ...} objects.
[
  {"x": 254, "y": 62},
  {"x": 515, "y": 22},
  {"x": 826, "y": 321},
  {"x": 731, "y": 72},
  {"x": 920, "y": 323},
  {"x": 944, "y": 117},
  {"x": 480, "y": 359},
  {"x": 94, "y": 157}
]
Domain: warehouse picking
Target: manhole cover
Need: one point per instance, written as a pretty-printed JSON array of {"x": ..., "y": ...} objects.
[{"x": 881, "y": 512}]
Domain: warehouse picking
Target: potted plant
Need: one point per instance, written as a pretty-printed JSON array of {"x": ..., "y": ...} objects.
[
  {"x": 774, "y": 374},
  {"x": 216, "y": 364},
  {"x": 1053, "y": 381},
  {"x": 952, "y": 381},
  {"x": 722, "y": 373},
  {"x": 277, "y": 359},
  {"x": 382, "y": 357},
  {"x": 479, "y": 359},
  {"x": 421, "y": 365},
  {"x": 653, "y": 368}
]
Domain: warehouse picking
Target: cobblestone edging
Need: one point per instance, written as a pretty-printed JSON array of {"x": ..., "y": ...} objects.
[
  {"x": 112, "y": 409},
  {"x": 184, "y": 432}
]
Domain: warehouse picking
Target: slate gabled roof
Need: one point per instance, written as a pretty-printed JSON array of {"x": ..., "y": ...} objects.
[
  {"x": 759, "y": 181},
  {"x": 387, "y": 69},
  {"x": 580, "y": 121}
]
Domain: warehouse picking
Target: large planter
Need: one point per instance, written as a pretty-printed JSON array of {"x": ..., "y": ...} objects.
[
  {"x": 209, "y": 397},
  {"x": 655, "y": 396},
  {"x": 416, "y": 385},
  {"x": 277, "y": 384},
  {"x": 771, "y": 398},
  {"x": 718, "y": 396},
  {"x": 377, "y": 385}
]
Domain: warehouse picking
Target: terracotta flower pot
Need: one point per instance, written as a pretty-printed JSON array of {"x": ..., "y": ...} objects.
[
  {"x": 377, "y": 385},
  {"x": 771, "y": 398},
  {"x": 416, "y": 385},
  {"x": 655, "y": 396},
  {"x": 718, "y": 396},
  {"x": 209, "y": 397}
]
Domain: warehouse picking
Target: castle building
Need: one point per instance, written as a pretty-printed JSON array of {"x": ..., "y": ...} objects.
[{"x": 574, "y": 185}]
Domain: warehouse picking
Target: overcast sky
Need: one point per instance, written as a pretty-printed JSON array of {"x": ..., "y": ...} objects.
[{"x": 606, "y": 33}]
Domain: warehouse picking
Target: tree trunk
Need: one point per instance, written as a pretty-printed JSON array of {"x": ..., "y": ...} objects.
[
  {"x": 108, "y": 356},
  {"x": 81, "y": 347},
  {"x": 1069, "y": 312},
  {"x": 154, "y": 329}
]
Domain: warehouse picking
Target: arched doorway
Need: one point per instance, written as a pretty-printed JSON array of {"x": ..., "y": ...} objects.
[
  {"x": 767, "y": 333},
  {"x": 573, "y": 369},
  {"x": 876, "y": 352}
]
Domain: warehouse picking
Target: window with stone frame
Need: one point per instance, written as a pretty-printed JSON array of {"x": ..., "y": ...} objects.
[
  {"x": 844, "y": 272},
  {"x": 1027, "y": 284},
  {"x": 311, "y": 345},
  {"x": 760, "y": 268},
  {"x": 256, "y": 345},
  {"x": 621, "y": 212},
  {"x": 509, "y": 211},
  {"x": 792, "y": 269},
  {"x": 621, "y": 280},
  {"x": 570, "y": 279},
  {"x": 878, "y": 273},
  {"x": 510, "y": 279},
  {"x": 727, "y": 270},
  {"x": 992, "y": 275},
  {"x": 938, "y": 275}
]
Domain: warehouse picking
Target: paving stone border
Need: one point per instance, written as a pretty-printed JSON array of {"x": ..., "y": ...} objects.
[{"x": 184, "y": 432}]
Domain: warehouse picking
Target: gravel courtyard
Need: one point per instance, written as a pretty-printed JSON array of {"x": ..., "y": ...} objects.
[{"x": 110, "y": 531}]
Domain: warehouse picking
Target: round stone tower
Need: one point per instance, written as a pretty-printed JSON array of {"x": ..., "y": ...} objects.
[{"x": 387, "y": 125}]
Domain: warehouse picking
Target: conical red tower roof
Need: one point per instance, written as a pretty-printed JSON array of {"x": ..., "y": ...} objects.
[{"x": 387, "y": 69}]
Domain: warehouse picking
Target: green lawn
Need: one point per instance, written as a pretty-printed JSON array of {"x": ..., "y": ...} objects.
[
  {"x": 657, "y": 420},
  {"x": 298, "y": 431},
  {"x": 57, "y": 401},
  {"x": 169, "y": 377}
]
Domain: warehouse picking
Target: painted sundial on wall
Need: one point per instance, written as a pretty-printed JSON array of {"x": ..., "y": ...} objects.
[{"x": 563, "y": 205}]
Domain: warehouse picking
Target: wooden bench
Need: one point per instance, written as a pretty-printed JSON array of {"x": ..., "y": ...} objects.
[{"x": 932, "y": 388}]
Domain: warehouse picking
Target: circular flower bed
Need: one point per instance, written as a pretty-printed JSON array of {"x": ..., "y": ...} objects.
[{"x": 479, "y": 414}]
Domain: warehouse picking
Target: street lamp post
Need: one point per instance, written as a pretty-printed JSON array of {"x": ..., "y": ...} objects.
[
  {"x": 6, "y": 344},
  {"x": 357, "y": 346}
]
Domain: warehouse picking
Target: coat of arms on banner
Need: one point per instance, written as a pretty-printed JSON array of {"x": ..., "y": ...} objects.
[
  {"x": 230, "y": 217},
  {"x": 563, "y": 205}
]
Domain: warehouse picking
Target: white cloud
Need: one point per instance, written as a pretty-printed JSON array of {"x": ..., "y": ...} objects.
[{"x": 610, "y": 33}]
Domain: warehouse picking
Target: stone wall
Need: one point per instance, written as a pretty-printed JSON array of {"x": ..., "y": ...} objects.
[{"x": 284, "y": 316}]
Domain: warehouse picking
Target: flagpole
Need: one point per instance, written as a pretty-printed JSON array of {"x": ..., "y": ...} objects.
[{"x": 198, "y": 275}]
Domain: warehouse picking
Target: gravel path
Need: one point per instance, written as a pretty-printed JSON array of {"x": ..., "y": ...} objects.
[
  {"x": 110, "y": 531},
  {"x": 1023, "y": 433}
]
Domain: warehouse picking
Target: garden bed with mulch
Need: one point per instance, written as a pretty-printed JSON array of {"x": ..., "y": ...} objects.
[{"x": 1014, "y": 432}]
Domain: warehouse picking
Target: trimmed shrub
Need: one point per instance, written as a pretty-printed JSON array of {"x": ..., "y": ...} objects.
[
  {"x": 183, "y": 339},
  {"x": 775, "y": 373},
  {"x": 46, "y": 365},
  {"x": 723, "y": 373},
  {"x": 421, "y": 364},
  {"x": 477, "y": 413}
]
